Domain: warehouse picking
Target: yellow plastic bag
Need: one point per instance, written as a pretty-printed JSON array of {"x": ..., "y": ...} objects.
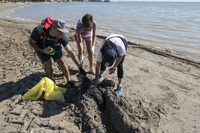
[
  {"x": 52, "y": 91},
  {"x": 49, "y": 85},
  {"x": 57, "y": 88},
  {"x": 55, "y": 96},
  {"x": 36, "y": 92}
]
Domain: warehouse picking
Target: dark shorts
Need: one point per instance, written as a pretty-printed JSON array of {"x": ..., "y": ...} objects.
[{"x": 44, "y": 57}]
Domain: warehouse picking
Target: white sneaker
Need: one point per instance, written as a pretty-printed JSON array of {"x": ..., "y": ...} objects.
[{"x": 92, "y": 71}]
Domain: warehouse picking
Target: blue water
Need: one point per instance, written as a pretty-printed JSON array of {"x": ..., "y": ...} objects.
[{"x": 169, "y": 25}]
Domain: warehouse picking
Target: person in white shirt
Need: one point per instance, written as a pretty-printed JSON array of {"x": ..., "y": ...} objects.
[{"x": 112, "y": 51}]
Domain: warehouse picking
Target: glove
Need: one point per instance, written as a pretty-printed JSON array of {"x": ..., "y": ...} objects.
[
  {"x": 70, "y": 84},
  {"x": 92, "y": 50},
  {"x": 82, "y": 71},
  {"x": 81, "y": 59}
]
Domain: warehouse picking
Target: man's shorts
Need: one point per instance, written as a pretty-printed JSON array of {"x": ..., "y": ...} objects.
[
  {"x": 87, "y": 37},
  {"x": 44, "y": 57}
]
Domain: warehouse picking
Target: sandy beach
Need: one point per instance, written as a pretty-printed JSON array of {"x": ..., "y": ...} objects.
[{"x": 161, "y": 90}]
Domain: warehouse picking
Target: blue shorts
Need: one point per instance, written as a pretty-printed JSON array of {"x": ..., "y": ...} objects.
[{"x": 45, "y": 57}]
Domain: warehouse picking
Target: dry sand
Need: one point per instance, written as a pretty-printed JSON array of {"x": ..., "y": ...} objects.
[{"x": 161, "y": 90}]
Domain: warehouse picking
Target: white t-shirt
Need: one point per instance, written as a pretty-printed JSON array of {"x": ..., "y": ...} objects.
[{"x": 118, "y": 43}]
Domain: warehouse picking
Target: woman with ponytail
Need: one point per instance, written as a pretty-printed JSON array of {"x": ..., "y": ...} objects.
[{"x": 86, "y": 30}]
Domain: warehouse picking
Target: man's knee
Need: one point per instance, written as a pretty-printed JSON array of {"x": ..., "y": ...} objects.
[{"x": 48, "y": 64}]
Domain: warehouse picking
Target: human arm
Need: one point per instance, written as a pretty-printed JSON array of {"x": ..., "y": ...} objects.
[
  {"x": 35, "y": 47},
  {"x": 93, "y": 38},
  {"x": 94, "y": 34},
  {"x": 79, "y": 41},
  {"x": 118, "y": 60},
  {"x": 74, "y": 58},
  {"x": 96, "y": 81},
  {"x": 72, "y": 54},
  {"x": 33, "y": 44}
]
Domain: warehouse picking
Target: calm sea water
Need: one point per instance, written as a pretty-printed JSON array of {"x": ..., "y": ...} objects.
[{"x": 169, "y": 25}]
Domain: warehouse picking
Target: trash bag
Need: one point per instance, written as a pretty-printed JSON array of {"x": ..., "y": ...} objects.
[
  {"x": 36, "y": 92},
  {"x": 49, "y": 85},
  {"x": 55, "y": 96},
  {"x": 57, "y": 88},
  {"x": 50, "y": 89}
]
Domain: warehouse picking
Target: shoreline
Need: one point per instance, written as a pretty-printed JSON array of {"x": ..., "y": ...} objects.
[
  {"x": 194, "y": 59},
  {"x": 164, "y": 84},
  {"x": 11, "y": 6},
  {"x": 153, "y": 49}
]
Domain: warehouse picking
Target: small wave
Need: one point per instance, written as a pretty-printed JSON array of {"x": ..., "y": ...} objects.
[
  {"x": 23, "y": 19},
  {"x": 167, "y": 29},
  {"x": 7, "y": 15},
  {"x": 103, "y": 28},
  {"x": 140, "y": 38}
]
